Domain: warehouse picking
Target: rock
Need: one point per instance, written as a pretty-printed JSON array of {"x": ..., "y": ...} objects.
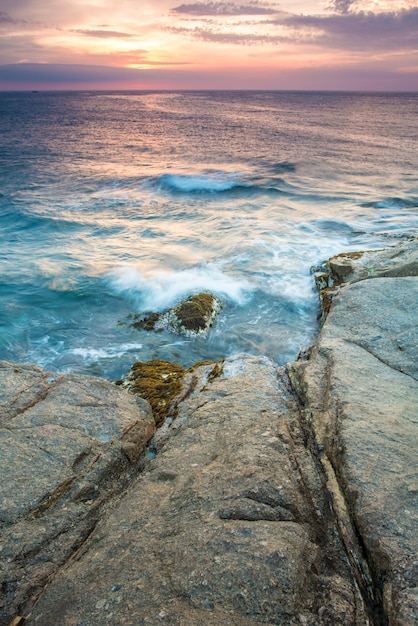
[
  {"x": 351, "y": 267},
  {"x": 149, "y": 322},
  {"x": 164, "y": 384},
  {"x": 361, "y": 396},
  {"x": 193, "y": 317},
  {"x": 397, "y": 261},
  {"x": 229, "y": 524},
  {"x": 159, "y": 382},
  {"x": 326, "y": 298},
  {"x": 67, "y": 443}
]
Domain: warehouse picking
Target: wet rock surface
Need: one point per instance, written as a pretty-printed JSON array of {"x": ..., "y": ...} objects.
[{"x": 192, "y": 317}]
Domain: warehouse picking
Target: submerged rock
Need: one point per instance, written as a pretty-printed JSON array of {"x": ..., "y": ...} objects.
[{"x": 193, "y": 317}]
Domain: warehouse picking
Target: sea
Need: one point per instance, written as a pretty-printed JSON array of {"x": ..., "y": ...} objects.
[{"x": 117, "y": 204}]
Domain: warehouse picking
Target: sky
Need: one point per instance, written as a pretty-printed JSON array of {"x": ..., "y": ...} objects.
[{"x": 369, "y": 45}]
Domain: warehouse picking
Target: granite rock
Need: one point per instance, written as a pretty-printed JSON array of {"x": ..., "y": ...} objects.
[
  {"x": 350, "y": 267},
  {"x": 396, "y": 261},
  {"x": 360, "y": 392},
  {"x": 67, "y": 443}
]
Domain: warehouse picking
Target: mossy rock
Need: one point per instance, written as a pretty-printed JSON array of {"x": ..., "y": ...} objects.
[
  {"x": 193, "y": 317},
  {"x": 197, "y": 313},
  {"x": 354, "y": 256},
  {"x": 159, "y": 382}
]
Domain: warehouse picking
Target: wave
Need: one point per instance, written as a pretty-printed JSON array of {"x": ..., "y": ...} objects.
[
  {"x": 201, "y": 183},
  {"x": 332, "y": 226},
  {"x": 164, "y": 290},
  {"x": 15, "y": 219},
  {"x": 282, "y": 167},
  {"x": 392, "y": 203},
  {"x": 215, "y": 183}
]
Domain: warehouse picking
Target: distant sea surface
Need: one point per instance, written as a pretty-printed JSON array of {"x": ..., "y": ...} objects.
[{"x": 123, "y": 203}]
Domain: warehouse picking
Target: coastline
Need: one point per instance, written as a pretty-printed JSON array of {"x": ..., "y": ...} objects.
[{"x": 230, "y": 523}]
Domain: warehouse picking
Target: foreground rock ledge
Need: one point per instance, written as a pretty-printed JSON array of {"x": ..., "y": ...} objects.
[{"x": 229, "y": 525}]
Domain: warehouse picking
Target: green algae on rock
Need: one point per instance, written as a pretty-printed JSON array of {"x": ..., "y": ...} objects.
[
  {"x": 147, "y": 323},
  {"x": 196, "y": 314},
  {"x": 192, "y": 317},
  {"x": 157, "y": 381},
  {"x": 165, "y": 384}
]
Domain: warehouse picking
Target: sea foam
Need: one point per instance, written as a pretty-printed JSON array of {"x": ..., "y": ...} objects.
[
  {"x": 166, "y": 289},
  {"x": 106, "y": 352}
]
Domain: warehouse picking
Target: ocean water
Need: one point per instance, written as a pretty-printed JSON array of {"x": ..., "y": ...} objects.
[{"x": 120, "y": 203}]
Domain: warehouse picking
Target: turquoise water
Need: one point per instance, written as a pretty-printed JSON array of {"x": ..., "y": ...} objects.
[{"x": 119, "y": 203}]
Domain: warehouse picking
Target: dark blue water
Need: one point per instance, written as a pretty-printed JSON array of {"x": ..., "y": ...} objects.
[{"x": 112, "y": 203}]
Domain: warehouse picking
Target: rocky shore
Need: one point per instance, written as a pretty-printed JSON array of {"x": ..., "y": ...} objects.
[{"x": 275, "y": 495}]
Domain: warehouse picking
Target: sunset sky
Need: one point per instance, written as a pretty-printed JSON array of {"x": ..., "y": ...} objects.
[{"x": 237, "y": 44}]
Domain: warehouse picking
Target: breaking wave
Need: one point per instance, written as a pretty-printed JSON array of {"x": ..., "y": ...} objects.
[
  {"x": 201, "y": 183},
  {"x": 164, "y": 290},
  {"x": 218, "y": 182}
]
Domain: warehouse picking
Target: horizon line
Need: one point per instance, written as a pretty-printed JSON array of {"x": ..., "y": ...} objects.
[{"x": 191, "y": 90}]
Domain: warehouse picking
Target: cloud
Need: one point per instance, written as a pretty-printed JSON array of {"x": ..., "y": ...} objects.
[
  {"x": 342, "y": 6},
  {"x": 102, "y": 33},
  {"x": 63, "y": 73},
  {"x": 205, "y": 9},
  {"x": 24, "y": 76},
  {"x": 237, "y": 38},
  {"x": 341, "y": 30},
  {"x": 360, "y": 31},
  {"x": 5, "y": 18}
]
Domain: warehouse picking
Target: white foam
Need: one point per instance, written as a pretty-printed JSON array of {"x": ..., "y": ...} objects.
[
  {"x": 106, "y": 352},
  {"x": 164, "y": 290},
  {"x": 209, "y": 183}
]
